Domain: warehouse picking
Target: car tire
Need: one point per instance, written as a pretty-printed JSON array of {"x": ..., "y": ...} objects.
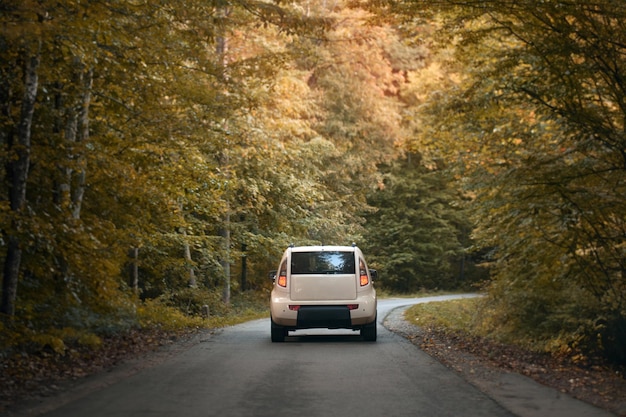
[
  {"x": 369, "y": 332},
  {"x": 278, "y": 333}
]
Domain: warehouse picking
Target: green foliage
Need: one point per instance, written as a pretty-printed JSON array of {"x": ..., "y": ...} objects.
[
  {"x": 153, "y": 313},
  {"x": 533, "y": 114},
  {"x": 16, "y": 338},
  {"x": 419, "y": 234},
  {"x": 562, "y": 334},
  {"x": 173, "y": 313},
  {"x": 191, "y": 301},
  {"x": 185, "y": 309},
  {"x": 159, "y": 127},
  {"x": 454, "y": 315},
  {"x": 142, "y": 141}
]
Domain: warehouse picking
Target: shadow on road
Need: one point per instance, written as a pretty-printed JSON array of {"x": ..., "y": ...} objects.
[{"x": 324, "y": 336}]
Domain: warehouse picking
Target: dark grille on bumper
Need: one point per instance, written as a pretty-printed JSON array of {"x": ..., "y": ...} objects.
[{"x": 337, "y": 317}]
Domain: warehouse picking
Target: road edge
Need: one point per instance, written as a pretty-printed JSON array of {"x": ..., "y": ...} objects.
[{"x": 519, "y": 394}]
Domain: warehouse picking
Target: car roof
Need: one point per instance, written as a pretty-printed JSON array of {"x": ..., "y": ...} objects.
[{"x": 322, "y": 248}]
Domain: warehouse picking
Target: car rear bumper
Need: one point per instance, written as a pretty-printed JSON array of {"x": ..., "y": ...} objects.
[{"x": 335, "y": 314}]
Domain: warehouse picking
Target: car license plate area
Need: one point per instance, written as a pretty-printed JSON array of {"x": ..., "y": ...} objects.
[{"x": 331, "y": 317}]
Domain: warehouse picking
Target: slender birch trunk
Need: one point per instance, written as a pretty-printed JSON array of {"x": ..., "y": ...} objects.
[
  {"x": 192, "y": 274},
  {"x": 221, "y": 50},
  {"x": 78, "y": 190},
  {"x": 19, "y": 146},
  {"x": 72, "y": 188}
]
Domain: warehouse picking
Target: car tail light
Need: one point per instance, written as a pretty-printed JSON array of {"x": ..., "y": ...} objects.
[
  {"x": 294, "y": 307},
  {"x": 282, "y": 280},
  {"x": 353, "y": 306},
  {"x": 364, "y": 278}
]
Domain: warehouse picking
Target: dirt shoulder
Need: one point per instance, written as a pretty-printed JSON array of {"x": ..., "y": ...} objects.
[
  {"x": 33, "y": 384},
  {"x": 483, "y": 363}
]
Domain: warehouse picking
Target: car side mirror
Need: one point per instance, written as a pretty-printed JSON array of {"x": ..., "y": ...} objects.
[
  {"x": 272, "y": 275},
  {"x": 373, "y": 274}
]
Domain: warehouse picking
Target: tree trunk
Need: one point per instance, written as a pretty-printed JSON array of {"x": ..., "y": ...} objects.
[
  {"x": 11, "y": 274},
  {"x": 18, "y": 163},
  {"x": 78, "y": 191},
  {"x": 72, "y": 188},
  {"x": 222, "y": 50},
  {"x": 225, "y": 233},
  {"x": 135, "y": 270},
  {"x": 192, "y": 274},
  {"x": 244, "y": 267}
]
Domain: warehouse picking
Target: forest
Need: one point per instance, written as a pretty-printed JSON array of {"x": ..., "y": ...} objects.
[{"x": 160, "y": 156}]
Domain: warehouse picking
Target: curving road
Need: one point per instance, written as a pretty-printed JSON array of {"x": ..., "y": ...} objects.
[{"x": 239, "y": 372}]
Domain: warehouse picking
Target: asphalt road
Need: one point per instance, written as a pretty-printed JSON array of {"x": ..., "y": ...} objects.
[{"x": 239, "y": 372}]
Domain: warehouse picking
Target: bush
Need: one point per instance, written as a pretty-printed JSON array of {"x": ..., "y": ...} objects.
[
  {"x": 186, "y": 308},
  {"x": 565, "y": 328},
  {"x": 154, "y": 313}
]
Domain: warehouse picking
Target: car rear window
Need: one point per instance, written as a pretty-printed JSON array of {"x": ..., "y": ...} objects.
[{"x": 331, "y": 262}]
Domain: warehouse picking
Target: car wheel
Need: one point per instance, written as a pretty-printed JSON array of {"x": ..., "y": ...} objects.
[
  {"x": 369, "y": 332},
  {"x": 278, "y": 333}
]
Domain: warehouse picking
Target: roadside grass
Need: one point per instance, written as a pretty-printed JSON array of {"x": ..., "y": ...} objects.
[
  {"x": 384, "y": 293},
  {"x": 472, "y": 318},
  {"x": 454, "y": 315},
  {"x": 170, "y": 319},
  {"x": 156, "y": 319},
  {"x": 242, "y": 308}
]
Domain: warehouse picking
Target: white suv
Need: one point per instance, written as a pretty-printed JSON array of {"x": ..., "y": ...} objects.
[{"x": 323, "y": 287}]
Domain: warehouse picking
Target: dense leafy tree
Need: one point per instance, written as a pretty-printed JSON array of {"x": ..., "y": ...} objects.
[
  {"x": 419, "y": 233},
  {"x": 163, "y": 129},
  {"x": 321, "y": 134},
  {"x": 100, "y": 99},
  {"x": 127, "y": 113},
  {"x": 360, "y": 78},
  {"x": 536, "y": 116}
]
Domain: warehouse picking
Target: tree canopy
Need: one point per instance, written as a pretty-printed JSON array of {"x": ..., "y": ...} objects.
[
  {"x": 534, "y": 113},
  {"x": 126, "y": 129},
  {"x": 419, "y": 232},
  {"x": 149, "y": 148}
]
